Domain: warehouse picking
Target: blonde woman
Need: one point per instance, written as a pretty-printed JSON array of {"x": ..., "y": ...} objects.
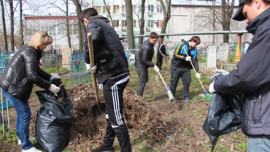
[{"x": 17, "y": 82}]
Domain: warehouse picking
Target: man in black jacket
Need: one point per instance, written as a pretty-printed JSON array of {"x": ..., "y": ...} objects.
[
  {"x": 144, "y": 60},
  {"x": 160, "y": 54},
  {"x": 111, "y": 69},
  {"x": 252, "y": 76}
]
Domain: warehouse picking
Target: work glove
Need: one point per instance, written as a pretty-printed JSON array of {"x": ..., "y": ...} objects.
[
  {"x": 54, "y": 89},
  {"x": 222, "y": 72},
  {"x": 156, "y": 68},
  {"x": 211, "y": 88},
  {"x": 90, "y": 68},
  {"x": 54, "y": 77},
  {"x": 198, "y": 76},
  {"x": 100, "y": 86},
  {"x": 188, "y": 58}
]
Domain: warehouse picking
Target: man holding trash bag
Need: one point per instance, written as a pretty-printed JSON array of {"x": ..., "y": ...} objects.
[
  {"x": 111, "y": 69},
  {"x": 17, "y": 81},
  {"x": 252, "y": 76}
]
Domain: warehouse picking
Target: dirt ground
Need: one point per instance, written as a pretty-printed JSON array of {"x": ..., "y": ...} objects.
[{"x": 154, "y": 123}]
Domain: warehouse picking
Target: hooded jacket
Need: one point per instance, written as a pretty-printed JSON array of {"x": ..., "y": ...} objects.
[
  {"x": 145, "y": 55},
  {"x": 252, "y": 79},
  {"x": 109, "y": 54},
  {"x": 22, "y": 72}
]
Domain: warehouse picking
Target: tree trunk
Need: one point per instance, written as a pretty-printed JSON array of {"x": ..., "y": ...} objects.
[
  {"x": 142, "y": 22},
  {"x": 129, "y": 20},
  {"x": 21, "y": 24},
  {"x": 227, "y": 12},
  {"x": 108, "y": 13},
  {"x": 166, "y": 14},
  {"x": 67, "y": 25},
  {"x": 82, "y": 30},
  {"x": 4, "y": 25},
  {"x": 11, "y": 25}
]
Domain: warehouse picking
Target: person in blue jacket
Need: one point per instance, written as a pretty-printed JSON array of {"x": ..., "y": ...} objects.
[
  {"x": 251, "y": 79},
  {"x": 185, "y": 53}
]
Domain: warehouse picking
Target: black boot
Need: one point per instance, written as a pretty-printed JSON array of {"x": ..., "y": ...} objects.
[{"x": 102, "y": 148}]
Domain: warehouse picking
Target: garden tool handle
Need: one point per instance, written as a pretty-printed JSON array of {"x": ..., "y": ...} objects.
[
  {"x": 92, "y": 62},
  {"x": 194, "y": 69},
  {"x": 162, "y": 78}
]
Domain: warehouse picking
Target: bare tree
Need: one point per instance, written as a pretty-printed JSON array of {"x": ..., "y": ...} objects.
[
  {"x": 4, "y": 25},
  {"x": 166, "y": 14},
  {"x": 21, "y": 23},
  {"x": 67, "y": 25},
  {"x": 82, "y": 29},
  {"x": 142, "y": 22},
  {"x": 108, "y": 10},
  {"x": 52, "y": 3},
  {"x": 11, "y": 25},
  {"x": 227, "y": 12},
  {"x": 129, "y": 20}
]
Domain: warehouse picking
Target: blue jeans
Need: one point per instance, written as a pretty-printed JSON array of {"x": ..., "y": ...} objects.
[
  {"x": 22, "y": 121},
  {"x": 259, "y": 144}
]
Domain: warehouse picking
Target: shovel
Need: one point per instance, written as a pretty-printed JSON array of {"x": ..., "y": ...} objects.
[{"x": 92, "y": 62}]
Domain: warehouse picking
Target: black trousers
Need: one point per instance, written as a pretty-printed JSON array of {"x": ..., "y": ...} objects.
[
  {"x": 113, "y": 96},
  {"x": 159, "y": 60},
  {"x": 176, "y": 74},
  {"x": 143, "y": 78}
]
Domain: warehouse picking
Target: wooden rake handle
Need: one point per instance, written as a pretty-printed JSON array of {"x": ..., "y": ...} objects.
[{"x": 92, "y": 62}]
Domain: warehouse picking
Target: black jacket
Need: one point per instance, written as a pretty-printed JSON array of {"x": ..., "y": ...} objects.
[
  {"x": 162, "y": 50},
  {"x": 22, "y": 72},
  {"x": 179, "y": 56},
  {"x": 109, "y": 53},
  {"x": 252, "y": 78},
  {"x": 145, "y": 55}
]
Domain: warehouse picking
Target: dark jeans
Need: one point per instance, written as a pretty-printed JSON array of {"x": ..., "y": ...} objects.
[
  {"x": 159, "y": 60},
  {"x": 176, "y": 74},
  {"x": 113, "y": 95},
  {"x": 22, "y": 121},
  {"x": 143, "y": 78}
]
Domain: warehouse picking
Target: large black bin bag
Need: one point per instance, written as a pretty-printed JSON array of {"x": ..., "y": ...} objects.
[
  {"x": 224, "y": 116},
  {"x": 54, "y": 120}
]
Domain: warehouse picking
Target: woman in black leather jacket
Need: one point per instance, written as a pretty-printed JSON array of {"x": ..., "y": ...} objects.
[{"x": 17, "y": 82}]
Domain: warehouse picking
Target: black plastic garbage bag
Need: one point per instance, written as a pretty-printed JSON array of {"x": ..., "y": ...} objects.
[
  {"x": 54, "y": 120},
  {"x": 224, "y": 116}
]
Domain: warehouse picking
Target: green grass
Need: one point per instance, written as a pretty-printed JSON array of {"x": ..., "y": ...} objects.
[
  {"x": 54, "y": 70},
  {"x": 9, "y": 137}
]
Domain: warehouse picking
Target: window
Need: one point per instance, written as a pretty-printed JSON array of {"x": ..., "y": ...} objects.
[
  {"x": 124, "y": 23},
  {"x": 98, "y": 8},
  {"x": 123, "y": 8},
  {"x": 150, "y": 8},
  {"x": 134, "y": 8},
  {"x": 150, "y": 23},
  {"x": 159, "y": 23},
  {"x": 134, "y": 23},
  {"x": 105, "y": 9},
  {"x": 140, "y": 8},
  {"x": 116, "y": 8},
  {"x": 159, "y": 9},
  {"x": 116, "y": 23}
]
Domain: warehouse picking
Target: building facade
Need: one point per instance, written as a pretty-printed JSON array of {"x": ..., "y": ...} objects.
[
  {"x": 56, "y": 27},
  {"x": 153, "y": 15}
]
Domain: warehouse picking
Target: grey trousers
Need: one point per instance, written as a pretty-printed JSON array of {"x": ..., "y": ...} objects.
[
  {"x": 176, "y": 74},
  {"x": 143, "y": 78}
]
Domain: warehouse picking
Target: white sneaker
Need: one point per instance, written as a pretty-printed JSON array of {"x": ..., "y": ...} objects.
[
  {"x": 31, "y": 139},
  {"x": 33, "y": 149}
]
